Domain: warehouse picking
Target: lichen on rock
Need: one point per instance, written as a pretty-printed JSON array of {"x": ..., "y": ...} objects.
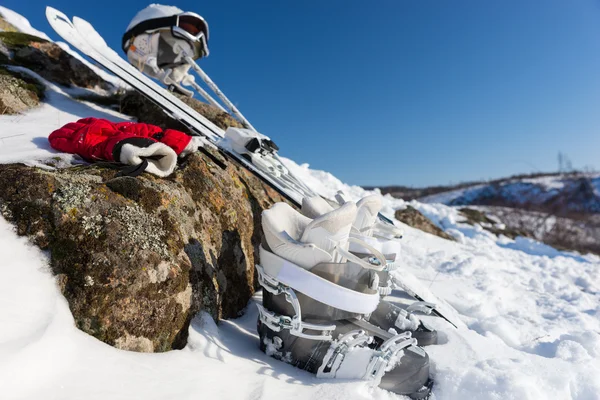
[{"x": 18, "y": 93}]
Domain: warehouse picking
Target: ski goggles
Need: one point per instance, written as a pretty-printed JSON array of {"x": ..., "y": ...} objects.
[
  {"x": 192, "y": 27},
  {"x": 188, "y": 26}
]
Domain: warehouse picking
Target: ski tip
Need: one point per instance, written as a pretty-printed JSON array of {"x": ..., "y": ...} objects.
[
  {"x": 52, "y": 14},
  {"x": 79, "y": 21}
]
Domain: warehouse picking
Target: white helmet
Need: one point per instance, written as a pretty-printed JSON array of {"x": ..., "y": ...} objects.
[{"x": 188, "y": 26}]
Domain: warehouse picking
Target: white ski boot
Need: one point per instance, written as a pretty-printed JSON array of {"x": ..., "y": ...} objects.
[
  {"x": 383, "y": 227},
  {"x": 387, "y": 315},
  {"x": 315, "y": 297}
]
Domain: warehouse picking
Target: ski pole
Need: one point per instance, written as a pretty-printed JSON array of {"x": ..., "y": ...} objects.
[
  {"x": 189, "y": 80},
  {"x": 219, "y": 93}
]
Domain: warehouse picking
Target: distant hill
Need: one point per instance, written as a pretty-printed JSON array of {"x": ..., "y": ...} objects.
[
  {"x": 411, "y": 193},
  {"x": 562, "y": 210},
  {"x": 561, "y": 194}
]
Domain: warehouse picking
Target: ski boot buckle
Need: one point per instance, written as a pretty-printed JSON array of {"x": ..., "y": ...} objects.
[
  {"x": 387, "y": 353},
  {"x": 336, "y": 353}
]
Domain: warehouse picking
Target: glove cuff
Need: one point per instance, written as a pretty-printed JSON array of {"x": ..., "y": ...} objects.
[{"x": 161, "y": 159}]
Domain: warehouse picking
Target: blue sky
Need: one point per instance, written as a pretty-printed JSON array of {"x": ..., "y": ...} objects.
[{"x": 399, "y": 92}]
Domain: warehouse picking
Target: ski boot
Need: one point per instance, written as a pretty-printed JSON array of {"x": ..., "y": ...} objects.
[
  {"x": 316, "y": 295},
  {"x": 387, "y": 315},
  {"x": 383, "y": 227}
]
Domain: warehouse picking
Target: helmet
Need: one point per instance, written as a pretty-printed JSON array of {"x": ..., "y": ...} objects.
[{"x": 188, "y": 26}]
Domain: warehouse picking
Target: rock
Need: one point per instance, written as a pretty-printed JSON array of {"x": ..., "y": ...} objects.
[
  {"x": 18, "y": 93},
  {"x": 48, "y": 60},
  {"x": 137, "y": 258},
  {"x": 477, "y": 217},
  {"x": 412, "y": 217},
  {"x": 222, "y": 119},
  {"x": 474, "y": 216},
  {"x": 136, "y": 105}
]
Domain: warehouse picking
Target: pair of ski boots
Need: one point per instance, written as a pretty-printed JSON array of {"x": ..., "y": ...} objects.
[{"x": 322, "y": 309}]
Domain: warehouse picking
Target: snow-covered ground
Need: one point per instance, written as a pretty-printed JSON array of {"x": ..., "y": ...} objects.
[{"x": 529, "y": 315}]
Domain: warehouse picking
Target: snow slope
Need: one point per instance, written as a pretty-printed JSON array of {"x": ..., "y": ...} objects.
[{"x": 530, "y": 315}]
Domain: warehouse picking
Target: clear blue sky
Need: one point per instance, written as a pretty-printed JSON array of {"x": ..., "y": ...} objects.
[{"x": 399, "y": 92}]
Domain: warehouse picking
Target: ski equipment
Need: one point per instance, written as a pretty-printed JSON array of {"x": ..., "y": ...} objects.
[
  {"x": 188, "y": 26},
  {"x": 88, "y": 41},
  {"x": 316, "y": 297}
]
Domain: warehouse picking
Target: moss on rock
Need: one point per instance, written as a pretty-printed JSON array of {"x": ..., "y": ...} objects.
[{"x": 19, "y": 39}]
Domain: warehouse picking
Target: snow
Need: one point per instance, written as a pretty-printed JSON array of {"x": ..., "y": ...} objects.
[
  {"x": 528, "y": 315},
  {"x": 447, "y": 197},
  {"x": 519, "y": 190},
  {"x": 21, "y": 23},
  {"x": 522, "y": 303},
  {"x": 596, "y": 184},
  {"x": 547, "y": 182}
]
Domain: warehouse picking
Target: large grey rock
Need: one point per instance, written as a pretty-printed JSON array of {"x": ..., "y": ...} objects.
[{"x": 136, "y": 258}]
